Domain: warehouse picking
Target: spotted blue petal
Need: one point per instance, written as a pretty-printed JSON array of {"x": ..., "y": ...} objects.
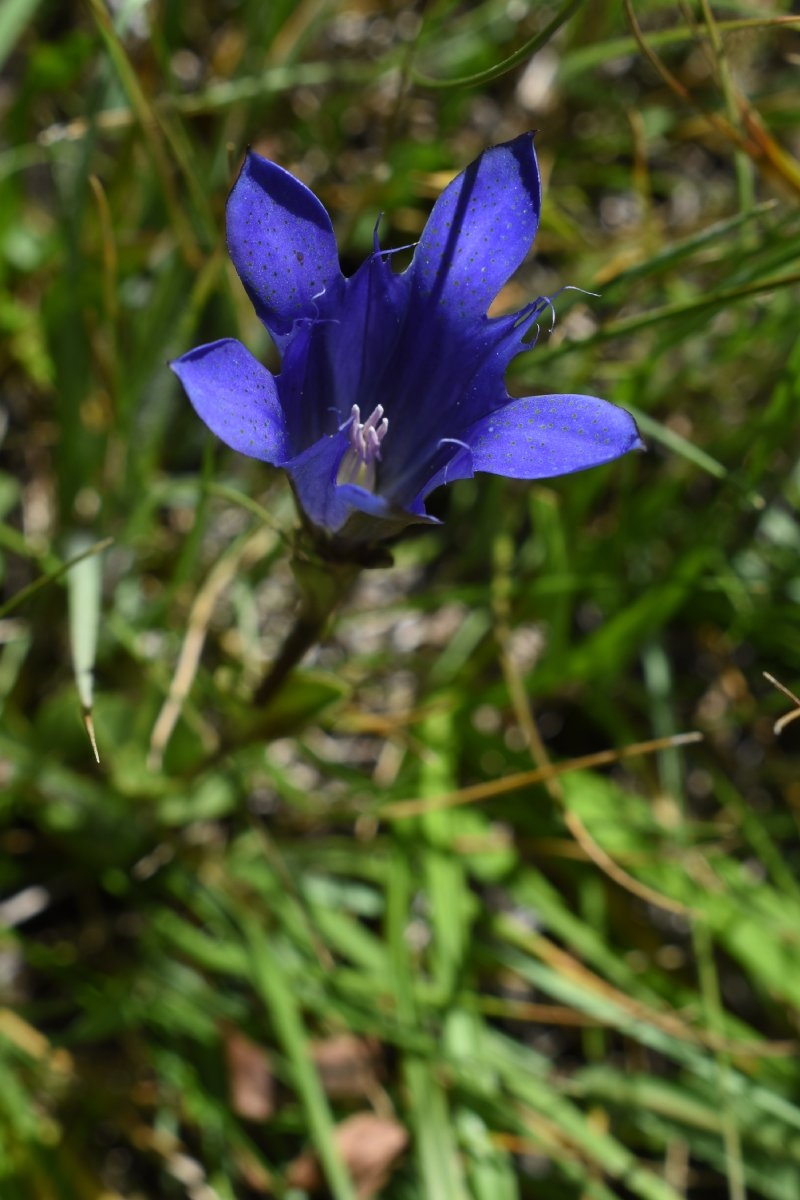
[{"x": 391, "y": 384}]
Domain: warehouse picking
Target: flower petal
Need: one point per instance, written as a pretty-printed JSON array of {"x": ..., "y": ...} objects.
[
  {"x": 438, "y": 381},
  {"x": 342, "y": 358},
  {"x": 541, "y": 436},
  {"x": 480, "y": 229},
  {"x": 458, "y": 465},
  {"x": 348, "y": 511},
  {"x": 236, "y": 397},
  {"x": 313, "y": 475},
  {"x": 282, "y": 244},
  {"x": 360, "y": 339}
]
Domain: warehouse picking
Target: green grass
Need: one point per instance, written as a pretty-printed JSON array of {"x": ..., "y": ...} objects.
[{"x": 587, "y": 986}]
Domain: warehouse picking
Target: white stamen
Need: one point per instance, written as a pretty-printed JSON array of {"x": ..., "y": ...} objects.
[
  {"x": 366, "y": 437},
  {"x": 358, "y": 464}
]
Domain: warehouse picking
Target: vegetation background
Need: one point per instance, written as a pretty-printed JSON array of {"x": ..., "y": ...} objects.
[{"x": 234, "y": 961}]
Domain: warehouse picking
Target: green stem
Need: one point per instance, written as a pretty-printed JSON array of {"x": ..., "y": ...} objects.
[
  {"x": 323, "y": 586},
  {"x": 306, "y": 630}
]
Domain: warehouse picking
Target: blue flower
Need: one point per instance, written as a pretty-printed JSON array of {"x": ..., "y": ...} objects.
[{"x": 391, "y": 384}]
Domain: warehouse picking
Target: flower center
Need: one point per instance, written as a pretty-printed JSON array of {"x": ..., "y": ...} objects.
[{"x": 358, "y": 463}]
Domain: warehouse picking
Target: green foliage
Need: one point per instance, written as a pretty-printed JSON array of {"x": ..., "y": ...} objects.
[{"x": 587, "y": 986}]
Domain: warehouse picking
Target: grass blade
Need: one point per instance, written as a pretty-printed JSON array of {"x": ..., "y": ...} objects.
[{"x": 84, "y": 592}]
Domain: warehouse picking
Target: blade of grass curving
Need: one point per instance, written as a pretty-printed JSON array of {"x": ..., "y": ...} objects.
[
  {"x": 452, "y": 907},
  {"x": 758, "y": 835},
  {"x": 11, "y": 539},
  {"x": 787, "y": 718},
  {"x": 627, "y": 325},
  {"x": 14, "y": 16},
  {"x": 444, "y": 873},
  {"x": 152, "y": 131},
  {"x": 692, "y": 1113},
  {"x": 585, "y": 58},
  {"x": 14, "y": 652},
  {"x": 110, "y": 261},
  {"x": 217, "y": 97},
  {"x": 756, "y": 143},
  {"x": 576, "y": 1130},
  {"x": 660, "y": 1031},
  {"x": 207, "y": 280},
  {"x": 244, "y": 551},
  {"x": 660, "y": 686},
  {"x": 300, "y": 22},
  {"x": 435, "y": 1143},
  {"x": 686, "y": 449},
  {"x": 51, "y": 577},
  {"x": 524, "y": 53},
  {"x": 278, "y": 995},
  {"x": 667, "y": 312},
  {"x": 712, "y": 1005},
  {"x": 235, "y": 496},
  {"x": 674, "y": 253},
  {"x": 745, "y": 173},
  {"x": 489, "y": 1166},
  {"x": 401, "y": 809},
  {"x": 84, "y": 592},
  {"x": 272, "y": 80}
]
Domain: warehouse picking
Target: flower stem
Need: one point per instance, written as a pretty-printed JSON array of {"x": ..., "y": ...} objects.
[
  {"x": 306, "y": 630},
  {"x": 323, "y": 586}
]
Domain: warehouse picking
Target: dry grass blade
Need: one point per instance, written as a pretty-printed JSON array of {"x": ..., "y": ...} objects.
[
  {"x": 619, "y": 875},
  {"x": 669, "y": 1022},
  {"x": 88, "y": 724},
  {"x": 757, "y": 143},
  {"x": 501, "y": 593},
  {"x": 787, "y": 718},
  {"x": 151, "y": 129},
  {"x": 202, "y": 609},
  {"x": 402, "y": 809}
]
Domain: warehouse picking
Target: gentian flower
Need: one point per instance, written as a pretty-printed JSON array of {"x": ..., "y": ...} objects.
[{"x": 391, "y": 384}]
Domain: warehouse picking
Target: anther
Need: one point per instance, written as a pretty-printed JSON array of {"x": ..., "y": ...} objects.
[
  {"x": 358, "y": 464},
  {"x": 366, "y": 437}
]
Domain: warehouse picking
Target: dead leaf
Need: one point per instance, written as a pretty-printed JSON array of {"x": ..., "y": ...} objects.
[
  {"x": 370, "y": 1146},
  {"x": 347, "y": 1066},
  {"x": 251, "y": 1083}
]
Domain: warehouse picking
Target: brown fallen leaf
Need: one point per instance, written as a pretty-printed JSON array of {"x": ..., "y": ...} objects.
[
  {"x": 251, "y": 1084},
  {"x": 347, "y": 1066},
  {"x": 370, "y": 1146}
]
